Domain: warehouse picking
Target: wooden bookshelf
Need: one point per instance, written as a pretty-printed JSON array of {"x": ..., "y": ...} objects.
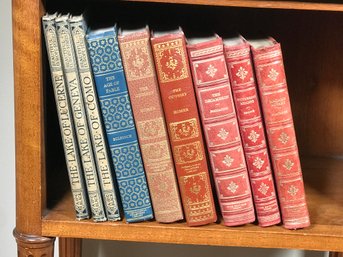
[
  {"x": 311, "y": 38},
  {"x": 295, "y": 5},
  {"x": 325, "y": 233}
]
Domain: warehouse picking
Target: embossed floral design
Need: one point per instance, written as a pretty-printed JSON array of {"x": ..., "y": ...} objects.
[
  {"x": 150, "y": 128},
  {"x": 138, "y": 62},
  {"x": 241, "y": 73},
  {"x": 253, "y": 136},
  {"x": 232, "y": 187},
  {"x": 211, "y": 71},
  {"x": 228, "y": 160},
  {"x": 162, "y": 186},
  {"x": 172, "y": 63},
  {"x": 188, "y": 153},
  {"x": 288, "y": 164},
  {"x": 283, "y": 138},
  {"x": 223, "y": 134},
  {"x": 263, "y": 188},
  {"x": 293, "y": 190},
  {"x": 154, "y": 151},
  {"x": 185, "y": 130},
  {"x": 258, "y": 162},
  {"x": 195, "y": 189},
  {"x": 273, "y": 74}
]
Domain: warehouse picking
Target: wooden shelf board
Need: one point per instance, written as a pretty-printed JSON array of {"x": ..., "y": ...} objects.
[
  {"x": 325, "y": 233},
  {"x": 295, "y": 5}
]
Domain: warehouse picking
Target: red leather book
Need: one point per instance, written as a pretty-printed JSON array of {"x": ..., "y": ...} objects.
[
  {"x": 181, "y": 113},
  {"x": 272, "y": 85},
  {"x": 151, "y": 128},
  {"x": 242, "y": 78},
  {"x": 213, "y": 91}
]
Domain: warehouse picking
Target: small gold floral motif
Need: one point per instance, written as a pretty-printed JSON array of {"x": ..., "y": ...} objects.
[
  {"x": 293, "y": 190},
  {"x": 172, "y": 63},
  {"x": 228, "y": 160},
  {"x": 241, "y": 73},
  {"x": 288, "y": 164},
  {"x": 253, "y": 136},
  {"x": 195, "y": 189},
  {"x": 232, "y": 187},
  {"x": 258, "y": 162},
  {"x": 223, "y": 134},
  {"x": 273, "y": 74},
  {"x": 184, "y": 130},
  {"x": 138, "y": 62},
  {"x": 189, "y": 153},
  {"x": 283, "y": 138},
  {"x": 211, "y": 71},
  {"x": 162, "y": 186},
  {"x": 155, "y": 151},
  {"x": 263, "y": 188}
]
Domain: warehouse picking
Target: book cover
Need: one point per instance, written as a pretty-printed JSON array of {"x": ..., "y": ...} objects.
[
  {"x": 66, "y": 124},
  {"x": 98, "y": 136},
  {"x": 119, "y": 123},
  {"x": 181, "y": 113},
  {"x": 79, "y": 116},
  {"x": 276, "y": 108},
  {"x": 216, "y": 106},
  {"x": 242, "y": 78},
  {"x": 151, "y": 128}
]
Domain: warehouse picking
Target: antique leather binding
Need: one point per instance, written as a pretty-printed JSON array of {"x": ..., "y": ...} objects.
[
  {"x": 151, "y": 127},
  {"x": 181, "y": 113},
  {"x": 213, "y": 91},
  {"x": 242, "y": 78},
  {"x": 272, "y": 85}
]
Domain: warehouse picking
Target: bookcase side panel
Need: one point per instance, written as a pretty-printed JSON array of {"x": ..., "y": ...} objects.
[{"x": 30, "y": 182}]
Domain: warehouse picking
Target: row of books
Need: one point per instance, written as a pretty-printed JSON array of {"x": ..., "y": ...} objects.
[{"x": 143, "y": 113}]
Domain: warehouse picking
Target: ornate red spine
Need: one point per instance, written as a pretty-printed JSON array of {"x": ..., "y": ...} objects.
[
  {"x": 272, "y": 85},
  {"x": 211, "y": 81},
  {"x": 179, "y": 103},
  {"x": 242, "y": 78},
  {"x": 151, "y": 128}
]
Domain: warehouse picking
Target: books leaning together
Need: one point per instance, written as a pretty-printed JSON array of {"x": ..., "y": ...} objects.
[{"x": 142, "y": 114}]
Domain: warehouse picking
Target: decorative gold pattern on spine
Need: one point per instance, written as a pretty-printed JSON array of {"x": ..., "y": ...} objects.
[
  {"x": 170, "y": 61},
  {"x": 188, "y": 153},
  {"x": 151, "y": 129},
  {"x": 198, "y": 198},
  {"x": 184, "y": 130},
  {"x": 156, "y": 152},
  {"x": 136, "y": 53}
]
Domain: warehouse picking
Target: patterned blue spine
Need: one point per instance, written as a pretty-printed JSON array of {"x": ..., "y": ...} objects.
[{"x": 119, "y": 124}]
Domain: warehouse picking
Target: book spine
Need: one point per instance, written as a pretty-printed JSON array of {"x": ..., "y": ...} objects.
[
  {"x": 272, "y": 85},
  {"x": 216, "y": 106},
  {"x": 78, "y": 111},
  {"x": 151, "y": 128},
  {"x": 98, "y": 137},
  {"x": 65, "y": 119},
  {"x": 242, "y": 78},
  {"x": 184, "y": 128},
  {"x": 119, "y": 124}
]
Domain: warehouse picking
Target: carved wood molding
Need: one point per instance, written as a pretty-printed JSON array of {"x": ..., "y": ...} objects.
[
  {"x": 70, "y": 247},
  {"x": 34, "y": 246}
]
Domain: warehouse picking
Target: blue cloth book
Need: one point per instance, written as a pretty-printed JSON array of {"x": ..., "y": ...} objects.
[{"x": 119, "y": 123}]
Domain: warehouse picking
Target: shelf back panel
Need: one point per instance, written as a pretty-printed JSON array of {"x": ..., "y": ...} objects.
[{"x": 310, "y": 47}]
